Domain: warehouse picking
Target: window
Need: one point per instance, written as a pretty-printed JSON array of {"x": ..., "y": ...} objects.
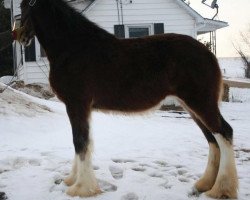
[
  {"x": 30, "y": 52},
  {"x": 138, "y": 30},
  {"x": 134, "y": 31}
]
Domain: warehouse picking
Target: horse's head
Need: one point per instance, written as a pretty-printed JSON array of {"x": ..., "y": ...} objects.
[{"x": 27, "y": 29}]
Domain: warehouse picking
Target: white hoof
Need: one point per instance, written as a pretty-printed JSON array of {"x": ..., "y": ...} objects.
[
  {"x": 70, "y": 180},
  {"x": 81, "y": 191}
]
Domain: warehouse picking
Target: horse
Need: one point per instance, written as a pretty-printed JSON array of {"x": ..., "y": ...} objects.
[{"x": 92, "y": 69}]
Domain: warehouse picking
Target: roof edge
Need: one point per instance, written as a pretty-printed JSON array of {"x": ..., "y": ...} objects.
[
  {"x": 90, "y": 6},
  {"x": 190, "y": 10},
  {"x": 216, "y": 21}
]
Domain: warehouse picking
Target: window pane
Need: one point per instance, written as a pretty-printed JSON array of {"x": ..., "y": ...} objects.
[
  {"x": 138, "y": 32},
  {"x": 30, "y": 52}
]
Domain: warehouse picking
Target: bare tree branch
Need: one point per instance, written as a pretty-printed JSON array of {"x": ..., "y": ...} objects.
[{"x": 244, "y": 54}]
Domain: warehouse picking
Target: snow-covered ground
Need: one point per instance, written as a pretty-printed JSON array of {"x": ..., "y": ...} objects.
[
  {"x": 232, "y": 67},
  {"x": 156, "y": 156}
]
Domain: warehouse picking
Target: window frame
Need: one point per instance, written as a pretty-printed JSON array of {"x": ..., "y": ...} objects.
[
  {"x": 30, "y": 54},
  {"x": 149, "y": 26}
]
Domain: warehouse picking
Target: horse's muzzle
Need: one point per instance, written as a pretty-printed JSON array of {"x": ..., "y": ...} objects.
[{"x": 16, "y": 33}]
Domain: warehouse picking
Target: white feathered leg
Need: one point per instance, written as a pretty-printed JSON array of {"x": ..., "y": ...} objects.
[
  {"x": 207, "y": 181},
  {"x": 226, "y": 184},
  {"x": 86, "y": 184},
  {"x": 71, "y": 179}
]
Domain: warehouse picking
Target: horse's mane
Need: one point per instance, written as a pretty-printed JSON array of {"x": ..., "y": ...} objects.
[
  {"x": 70, "y": 16},
  {"x": 68, "y": 20}
]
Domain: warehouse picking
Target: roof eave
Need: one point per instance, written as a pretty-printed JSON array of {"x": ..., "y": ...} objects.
[
  {"x": 90, "y": 6},
  {"x": 209, "y": 25},
  {"x": 203, "y": 25}
]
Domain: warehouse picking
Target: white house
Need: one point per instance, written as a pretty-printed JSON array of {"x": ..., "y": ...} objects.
[{"x": 124, "y": 18}]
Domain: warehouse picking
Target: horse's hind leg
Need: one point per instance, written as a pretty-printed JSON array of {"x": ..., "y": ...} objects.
[
  {"x": 207, "y": 181},
  {"x": 82, "y": 179},
  {"x": 226, "y": 183}
]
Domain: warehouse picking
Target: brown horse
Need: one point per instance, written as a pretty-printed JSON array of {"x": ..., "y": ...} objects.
[{"x": 90, "y": 68}]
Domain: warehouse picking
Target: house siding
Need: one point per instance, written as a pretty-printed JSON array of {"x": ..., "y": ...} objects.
[
  {"x": 19, "y": 62},
  {"x": 20, "y": 73},
  {"x": 176, "y": 20},
  {"x": 32, "y": 72},
  {"x": 37, "y": 72}
]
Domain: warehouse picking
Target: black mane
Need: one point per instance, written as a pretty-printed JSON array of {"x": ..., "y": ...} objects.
[
  {"x": 56, "y": 22},
  {"x": 75, "y": 23}
]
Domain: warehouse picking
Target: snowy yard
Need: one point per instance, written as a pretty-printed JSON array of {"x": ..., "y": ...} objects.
[{"x": 157, "y": 156}]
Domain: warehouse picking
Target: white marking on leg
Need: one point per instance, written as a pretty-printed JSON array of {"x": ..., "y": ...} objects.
[
  {"x": 207, "y": 181},
  {"x": 71, "y": 179},
  {"x": 226, "y": 184},
  {"x": 86, "y": 184}
]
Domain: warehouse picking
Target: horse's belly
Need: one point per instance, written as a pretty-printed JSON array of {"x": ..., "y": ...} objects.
[{"x": 136, "y": 100}]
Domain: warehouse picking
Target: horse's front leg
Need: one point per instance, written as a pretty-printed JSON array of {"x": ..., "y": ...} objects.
[
  {"x": 82, "y": 179},
  {"x": 71, "y": 179}
]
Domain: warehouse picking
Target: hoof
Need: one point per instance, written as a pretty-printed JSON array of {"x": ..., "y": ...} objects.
[
  {"x": 203, "y": 185},
  {"x": 223, "y": 194},
  {"x": 226, "y": 187},
  {"x": 69, "y": 180},
  {"x": 194, "y": 192},
  {"x": 81, "y": 191}
]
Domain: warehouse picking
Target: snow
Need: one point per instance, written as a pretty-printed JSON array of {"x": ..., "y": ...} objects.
[
  {"x": 232, "y": 67},
  {"x": 7, "y": 79},
  {"x": 239, "y": 95},
  {"x": 155, "y": 156}
]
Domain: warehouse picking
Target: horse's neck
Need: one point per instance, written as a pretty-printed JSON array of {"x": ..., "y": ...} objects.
[{"x": 57, "y": 36}]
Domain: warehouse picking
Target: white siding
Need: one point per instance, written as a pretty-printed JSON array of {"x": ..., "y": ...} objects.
[
  {"x": 176, "y": 20},
  {"x": 33, "y": 72},
  {"x": 37, "y": 72},
  {"x": 20, "y": 73},
  {"x": 16, "y": 7},
  {"x": 18, "y": 60}
]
